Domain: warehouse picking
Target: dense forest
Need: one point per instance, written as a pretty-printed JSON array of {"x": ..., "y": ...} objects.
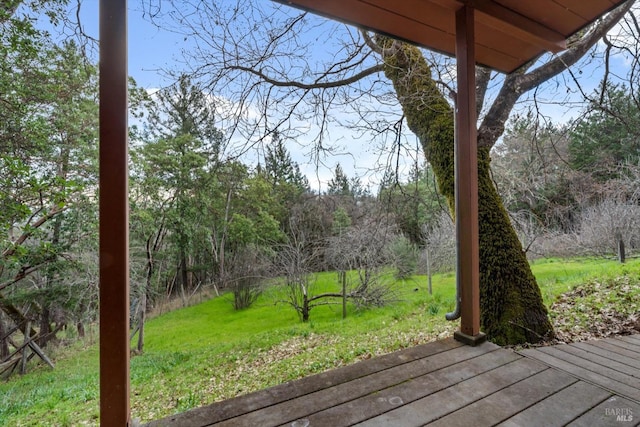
[{"x": 204, "y": 218}]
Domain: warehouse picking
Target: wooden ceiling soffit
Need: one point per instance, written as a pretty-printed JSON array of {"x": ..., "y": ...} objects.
[
  {"x": 509, "y": 33},
  {"x": 519, "y": 26}
]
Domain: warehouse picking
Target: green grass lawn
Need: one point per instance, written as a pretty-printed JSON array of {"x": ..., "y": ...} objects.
[{"x": 208, "y": 352}]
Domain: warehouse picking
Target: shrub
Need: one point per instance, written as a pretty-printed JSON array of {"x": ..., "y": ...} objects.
[
  {"x": 404, "y": 257},
  {"x": 247, "y": 271}
]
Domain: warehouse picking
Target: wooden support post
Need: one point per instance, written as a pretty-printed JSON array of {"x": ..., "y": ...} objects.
[
  {"x": 466, "y": 160},
  {"x": 114, "y": 216}
]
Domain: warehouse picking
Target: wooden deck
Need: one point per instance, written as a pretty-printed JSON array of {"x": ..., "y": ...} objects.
[{"x": 444, "y": 383}]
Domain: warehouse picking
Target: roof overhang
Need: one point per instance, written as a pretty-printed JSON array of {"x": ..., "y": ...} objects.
[{"x": 508, "y": 33}]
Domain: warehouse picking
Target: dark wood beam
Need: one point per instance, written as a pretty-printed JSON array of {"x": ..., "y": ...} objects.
[
  {"x": 466, "y": 182},
  {"x": 505, "y": 20},
  {"x": 114, "y": 216}
]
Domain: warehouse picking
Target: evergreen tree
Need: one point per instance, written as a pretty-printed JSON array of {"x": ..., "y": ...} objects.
[
  {"x": 179, "y": 161},
  {"x": 287, "y": 182},
  {"x": 48, "y": 167},
  {"x": 607, "y": 135},
  {"x": 185, "y": 109},
  {"x": 339, "y": 183},
  {"x": 280, "y": 168},
  {"x": 414, "y": 203}
]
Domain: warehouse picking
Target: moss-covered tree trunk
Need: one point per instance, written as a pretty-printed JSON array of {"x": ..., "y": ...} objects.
[
  {"x": 512, "y": 310},
  {"x": 511, "y": 306}
]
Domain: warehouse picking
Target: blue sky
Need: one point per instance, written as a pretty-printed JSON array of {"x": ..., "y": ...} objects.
[{"x": 152, "y": 49}]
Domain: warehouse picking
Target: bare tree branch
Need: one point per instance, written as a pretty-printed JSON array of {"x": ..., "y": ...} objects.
[
  {"x": 521, "y": 81},
  {"x": 24, "y": 272},
  {"x": 315, "y": 85},
  {"x": 31, "y": 229},
  {"x": 483, "y": 75}
]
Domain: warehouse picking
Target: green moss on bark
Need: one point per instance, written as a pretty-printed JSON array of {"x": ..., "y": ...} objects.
[
  {"x": 511, "y": 306},
  {"x": 512, "y": 311},
  {"x": 428, "y": 113}
]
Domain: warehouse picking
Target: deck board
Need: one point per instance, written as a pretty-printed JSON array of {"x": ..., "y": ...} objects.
[
  {"x": 605, "y": 414},
  {"x": 384, "y": 400},
  {"x": 606, "y": 362},
  {"x": 560, "y": 408},
  {"x": 237, "y": 406},
  {"x": 610, "y": 346},
  {"x": 604, "y": 349},
  {"x": 508, "y": 402},
  {"x": 290, "y": 411},
  {"x": 630, "y": 339},
  {"x": 446, "y": 384},
  {"x": 454, "y": 398},
  {"x": 588, "y": 371},
  {"x": 626, "y": 344}
]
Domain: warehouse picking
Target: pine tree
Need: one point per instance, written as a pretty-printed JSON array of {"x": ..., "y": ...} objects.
[
  {"x": 339, "y": 184},
  {"x": 280, "y": 168}
]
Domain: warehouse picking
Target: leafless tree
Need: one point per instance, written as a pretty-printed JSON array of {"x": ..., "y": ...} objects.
[
  {"x": 531, "y": 170},
  {"x": 246, "y": 275},
  {"x": 364, "y": 249},
  {"x": 297, "y": 260},
  {"x": 440, "y": 243},
  {"x": 605, "y": 225}
]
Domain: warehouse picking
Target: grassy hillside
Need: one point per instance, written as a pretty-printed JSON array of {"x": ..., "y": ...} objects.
[{"x": 209, "y": 352}]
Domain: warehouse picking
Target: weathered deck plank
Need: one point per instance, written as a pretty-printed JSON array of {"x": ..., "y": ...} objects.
[
  {"x": 508, "y": 402},
  {"x": 589, "y": 371},
  {"x": 560, "y": 408},
  {"x": 613, "y": 348},
  {"x": 602, "y": 361},
  {"x": 382, "y": 401},
  {"x": 607, "y": 414},
  {"x": 609, "y": 351},
  {"x": 630, "y": 339},
  {"x": 234, "y": 407},
  {"x": 446, "y": 384},
  {"x": 625, "y": 345},
  {"x": 635, "y": 337},
  {"x": 456, "y": 397},
  {"x": 290, "y": 411}
]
